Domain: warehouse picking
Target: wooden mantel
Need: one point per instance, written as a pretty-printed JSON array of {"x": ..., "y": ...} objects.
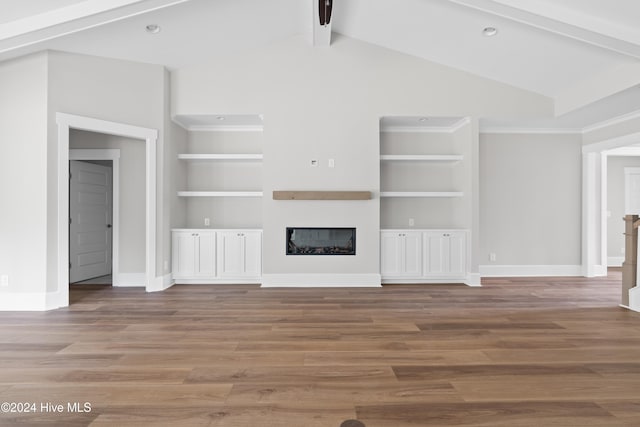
[{"x": 321, "y": 195}]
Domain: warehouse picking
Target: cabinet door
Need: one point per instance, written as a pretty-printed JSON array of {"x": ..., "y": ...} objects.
[
  {"x": 446, "y": 253},
  {"x": 230, "y": 254},
  {"x": 205, "y": 260},
  {"x": 457, "y": 253},
  {"x": 253, "y": 253},
  {"x": 183, "y": 254},
  {"x": 436, "y": 248},
  {"x": 412, "y": 254},
  {"x": 390, "y": 253}
]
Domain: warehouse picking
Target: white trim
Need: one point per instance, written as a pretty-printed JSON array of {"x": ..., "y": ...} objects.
[
  {"x": 530, "y": 270},
  {"x": 195, "y": 157},
  {"x": 220, "y": 193},
  {"x": 422, "y": 157},
  {"x": 630, "y": 151},
  {"x": 74, "y": 18},
  {"x": 594, "y": 203},
  {"x": 615, "y": 261},
  {"x": 627, "y": 191},
  {"x": 609, "y": 144},
  {"x": 474, "y": 280},
  {"x": 25, "y": 301},
  {"x": 423, "y": 281},
  {"x": 320, "y": 280},
  {"x": 519, "y": 130},
  {"x": 611, "y": 122},
  {"x": 222, "y": 128},
  {"x": 219, "y": 281},
  {"x": 129, "y": 280},
  {"x": 551, "y": 19},
  {"x": 634, "y": 299},
  {"x": 66, "y": 122},
  {"x": 114, "y": 156},
  {"x": 167, "y": 281},
  {"x": 421, "y": 194},
  {"x": 218, "y": 128},
  {"x": 427, "y": 129}
]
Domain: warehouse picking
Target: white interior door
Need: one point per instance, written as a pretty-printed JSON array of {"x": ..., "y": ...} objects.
[
  {"x": 632, "y": 191},
  {"x": 90, "y": 216}
]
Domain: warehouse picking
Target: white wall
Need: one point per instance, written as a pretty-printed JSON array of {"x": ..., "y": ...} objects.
[
  {"x": 326, "y": 103},
  {"x": 530, "y": 199},
  {"x": 132, "y": 193},
  {"x": 23, "y": 176}
]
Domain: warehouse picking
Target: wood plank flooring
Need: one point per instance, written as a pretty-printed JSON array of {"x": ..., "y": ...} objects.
[{"x": 516, "y": 352}]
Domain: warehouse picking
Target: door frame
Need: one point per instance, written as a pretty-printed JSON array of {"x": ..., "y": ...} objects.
[
  {"x": 65, "y": 123},
  {"x": 627, "y": 172},
  {"x": 112, "y": 154},
  {"x": 594, "y": 202}
]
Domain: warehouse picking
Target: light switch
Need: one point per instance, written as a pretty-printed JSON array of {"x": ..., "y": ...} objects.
[{"x": 332, "y": 163}]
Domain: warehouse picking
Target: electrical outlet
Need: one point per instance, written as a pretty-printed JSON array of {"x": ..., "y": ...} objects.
[
  {"x": 314, "y": 163},
  {"x": 492, "y": 256},
  {"x": 4, "y": 280},
  {"x": 207, "y": 222},
  {"x": 412, "y": 222},
  {"x": 166, "y": 265}
]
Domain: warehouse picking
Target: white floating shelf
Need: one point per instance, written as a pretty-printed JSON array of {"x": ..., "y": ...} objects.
[
  {"x": 422, "y": 157},
  {"x": 220, "y": 156},
  {"x": 421, "y": 194},
  {"x": 220, "y": 193}
]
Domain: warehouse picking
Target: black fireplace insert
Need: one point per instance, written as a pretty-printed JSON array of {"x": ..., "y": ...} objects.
[{"x": 321, "y": 241}]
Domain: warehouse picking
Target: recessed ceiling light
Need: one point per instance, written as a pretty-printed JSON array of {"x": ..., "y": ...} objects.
[
  {"x": 422, "y": 119},
  {"x": 153, "y": 28},
  {"x": 220, "y": 117},
  {"x": 490, "y": 31}
]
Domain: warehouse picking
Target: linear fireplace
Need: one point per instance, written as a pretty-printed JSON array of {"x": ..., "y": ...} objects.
[{"x": 321, "y": 241}]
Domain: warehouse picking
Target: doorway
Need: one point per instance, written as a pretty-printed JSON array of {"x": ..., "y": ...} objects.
[
  {"x": 93, "y": 216},
  {"x": 149, "y": 137}
]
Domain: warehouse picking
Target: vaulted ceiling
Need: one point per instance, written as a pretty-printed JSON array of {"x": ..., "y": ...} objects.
[{"x": 585, "y": 54}]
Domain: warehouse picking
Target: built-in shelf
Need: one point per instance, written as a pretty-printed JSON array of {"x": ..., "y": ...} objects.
[
  {"x": 220, "y": 156},
  {"x": 421, "y": 194},
  {"x": 321, "y": 195},
  {"x": 220, "y": 193},
  {"x": 444, "y": 158}
]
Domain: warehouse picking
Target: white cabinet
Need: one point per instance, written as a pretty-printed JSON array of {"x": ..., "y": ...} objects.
[
  {"x": 401, "y": 253},
  {"x": 216, "y": 256},
  {"x": 423, "y": 256},
  {"x": 194, "y": 254},
  {"x": 239, "y": 254},
  {"x": 446, "y": 253}
]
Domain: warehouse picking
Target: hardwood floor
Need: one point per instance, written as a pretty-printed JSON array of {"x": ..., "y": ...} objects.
[{"x": 516, "y": 352}]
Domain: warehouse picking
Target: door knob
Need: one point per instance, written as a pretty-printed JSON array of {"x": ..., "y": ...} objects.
[{"x": 108, "y": 225}]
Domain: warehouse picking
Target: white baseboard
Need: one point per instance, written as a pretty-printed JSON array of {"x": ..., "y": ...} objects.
[
  {"x": 126, "y": 280},
  {"x": 473, "y": 280},
  {"x": 161, "y": 283},
  {"x": 321, "y": 280},
  {"x": 244, "y": 281},
  {"x": 634, "y": 298},
  {"x": 23, "y": 301},
  {"x": 615, "y": 261},
  {"x": 530, "y": 270}
]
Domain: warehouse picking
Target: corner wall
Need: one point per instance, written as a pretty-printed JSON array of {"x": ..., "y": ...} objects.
[{"x": 23, "y": 182}]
